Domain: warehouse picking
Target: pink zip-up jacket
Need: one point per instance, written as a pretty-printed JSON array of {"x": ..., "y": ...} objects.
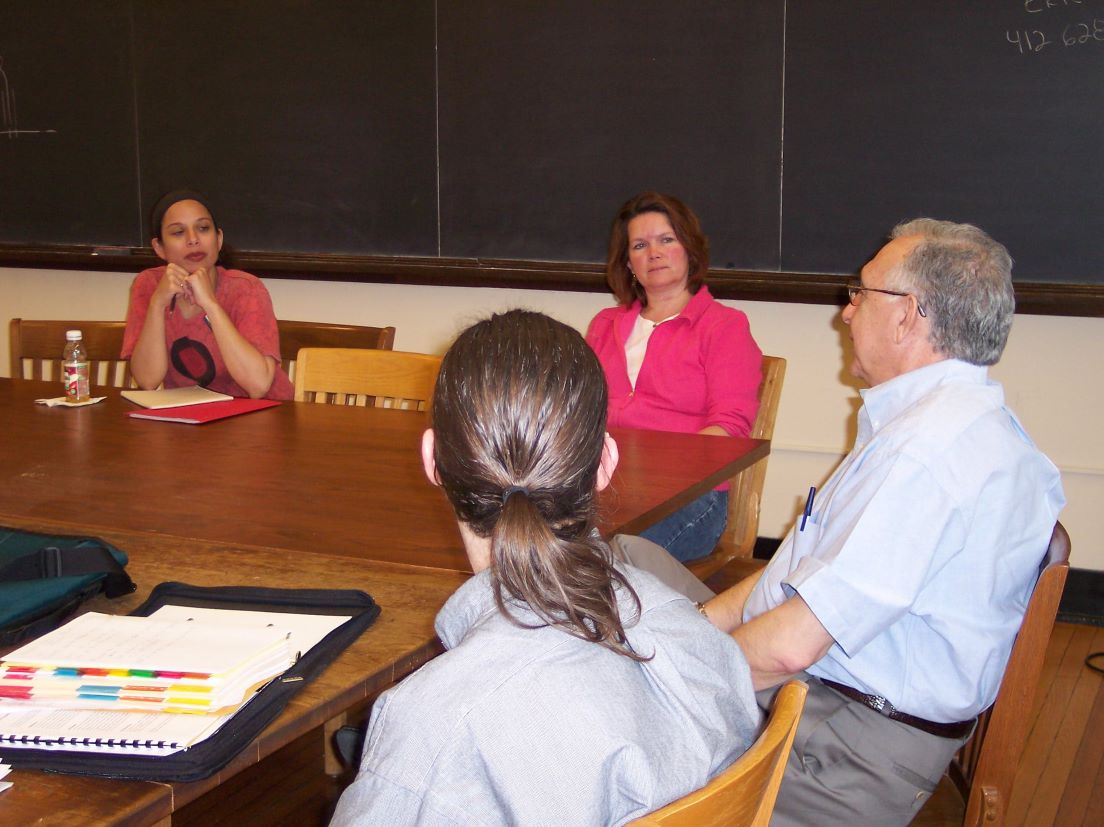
[{"x": 701, "y": 368}]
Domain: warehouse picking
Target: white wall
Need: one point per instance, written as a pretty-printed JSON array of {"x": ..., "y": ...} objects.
[{"x": 1051, "y": 370}]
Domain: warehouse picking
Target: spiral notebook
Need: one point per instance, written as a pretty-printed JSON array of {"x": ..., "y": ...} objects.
[
  {"x": 175, "y": 642},
  {"x": 161, "y": 755}
]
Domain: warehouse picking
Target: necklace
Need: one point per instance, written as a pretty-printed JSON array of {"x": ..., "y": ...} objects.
[{"x": 661, "y": 321}]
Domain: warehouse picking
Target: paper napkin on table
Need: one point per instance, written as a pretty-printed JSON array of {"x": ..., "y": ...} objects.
[{"x": 65, "y": 403}]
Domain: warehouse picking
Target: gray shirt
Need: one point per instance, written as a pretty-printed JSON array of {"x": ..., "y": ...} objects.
[{"x": 534, "y": 726}]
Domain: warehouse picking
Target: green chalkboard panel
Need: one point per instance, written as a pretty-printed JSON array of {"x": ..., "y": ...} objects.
[
  {"x": 68, "y": 171},
  {"x": 414, "y": 134},
  {"x": 311, "y": 124},
  {"x": 989, "y": 112},
  {"x": 552, "y": 114}
]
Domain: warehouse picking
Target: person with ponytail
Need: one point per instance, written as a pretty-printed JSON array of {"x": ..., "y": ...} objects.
[{"x": 574, "y": 689}]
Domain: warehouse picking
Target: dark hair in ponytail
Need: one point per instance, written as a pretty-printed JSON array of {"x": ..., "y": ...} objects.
[{"x": 519, "y": 417}]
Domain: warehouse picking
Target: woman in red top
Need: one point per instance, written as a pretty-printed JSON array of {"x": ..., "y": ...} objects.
[
  {"x": 192, "y": 322},
  {"x": 674, "y": 358}
]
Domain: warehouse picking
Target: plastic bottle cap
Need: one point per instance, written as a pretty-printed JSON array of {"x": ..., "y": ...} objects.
[{"x": 71, "y": 335}]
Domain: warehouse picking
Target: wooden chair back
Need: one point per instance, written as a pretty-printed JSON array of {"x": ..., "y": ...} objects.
[
  {"x": 745, "y": 493},
  {"x": 294, "y": 336},
  {"x": 744, "y": 794},
  {"x": 360, "y": 376},
  {"x": 985, "y": 767},
  {"x": 35, "y": 347}
]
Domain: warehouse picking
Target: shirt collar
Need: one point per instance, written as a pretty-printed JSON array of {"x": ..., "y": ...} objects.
[
  {"x": 699, "y": 302},
  {"x": 884, "y": 402},
  {"x": 464, "y": 609},
  {"x": 472, "y": 603}
]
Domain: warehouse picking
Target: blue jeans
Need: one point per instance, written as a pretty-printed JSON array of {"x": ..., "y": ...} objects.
[{"x": 693, "y": 530}]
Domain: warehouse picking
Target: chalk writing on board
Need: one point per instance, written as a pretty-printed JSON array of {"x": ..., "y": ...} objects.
[
  {"x": 1038, "y": 6},
  {"x": 10, "y": 119},
  {"x": 1033, "y": 41}
]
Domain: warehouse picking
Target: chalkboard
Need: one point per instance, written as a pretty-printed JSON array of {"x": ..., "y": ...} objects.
[
  {"x": 311, "y": 124},
  {"x": 68, "y": 171},
  {"x": 553, "y": 114},
  {"x": 799, "y": 130},
  {"x": 989, "y": 112}
]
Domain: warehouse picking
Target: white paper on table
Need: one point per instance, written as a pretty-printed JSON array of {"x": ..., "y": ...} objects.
[
  {"x": 102, "y": 641},
  {"x": 63, "y": 402},
  {"x": 304, "y": 630}
]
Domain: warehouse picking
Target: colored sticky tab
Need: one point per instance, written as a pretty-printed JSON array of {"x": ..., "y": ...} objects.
[
  {"x": 187, "y": 687},
  {"x": 188, "y": 701},
  {"x": 87, "y": 691}
]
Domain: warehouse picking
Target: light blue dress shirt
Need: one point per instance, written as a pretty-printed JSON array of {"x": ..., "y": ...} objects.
[
  {"x": 532, "y": 726},
  {"x": 923, "y": 547}
]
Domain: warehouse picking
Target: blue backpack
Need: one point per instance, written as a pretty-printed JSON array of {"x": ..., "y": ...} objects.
[{"x": 45, "y": 578}]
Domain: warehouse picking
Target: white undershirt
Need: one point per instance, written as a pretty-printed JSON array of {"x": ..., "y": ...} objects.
[{"x": 637, "y": 344}]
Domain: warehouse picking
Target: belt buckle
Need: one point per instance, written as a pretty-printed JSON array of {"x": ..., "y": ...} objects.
[{"x": 880, "y": 704}]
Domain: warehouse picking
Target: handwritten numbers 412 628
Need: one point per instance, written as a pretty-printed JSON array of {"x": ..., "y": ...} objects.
[{"x": 1033, "y": 41}]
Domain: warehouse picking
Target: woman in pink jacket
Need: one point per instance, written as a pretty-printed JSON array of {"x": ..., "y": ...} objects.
[{"x": 674, "y": 358}]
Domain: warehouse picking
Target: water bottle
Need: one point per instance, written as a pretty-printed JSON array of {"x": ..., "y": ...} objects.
[{"x": 75, "y": 368}]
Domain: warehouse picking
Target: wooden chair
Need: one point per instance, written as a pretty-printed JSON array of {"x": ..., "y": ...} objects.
[
  {"x": 359, "y": 376},
  {"x": 984, "y": 769},
  {"x": 295, "y": 336},
  {"x": 745, "y": 493},
  {"x": 744, "y": 794},
  {"x": 36, "y": 345}
]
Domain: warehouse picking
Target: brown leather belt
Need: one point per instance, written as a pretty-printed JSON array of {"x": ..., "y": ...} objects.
[{"x": 958, "y": 729}]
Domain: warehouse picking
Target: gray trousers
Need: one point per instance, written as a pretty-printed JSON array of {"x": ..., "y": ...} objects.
[
  {"x": 853, "y": 767},
  {"x": 654, "y": 559}
]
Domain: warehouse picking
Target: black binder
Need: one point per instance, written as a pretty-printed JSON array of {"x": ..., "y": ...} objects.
[{"x": 212, "y": 754}]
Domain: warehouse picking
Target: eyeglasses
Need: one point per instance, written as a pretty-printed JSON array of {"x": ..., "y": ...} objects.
[{"x": 854, "y": 291}]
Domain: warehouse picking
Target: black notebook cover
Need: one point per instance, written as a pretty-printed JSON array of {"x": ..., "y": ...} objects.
[{"x": 212, "y": 754}]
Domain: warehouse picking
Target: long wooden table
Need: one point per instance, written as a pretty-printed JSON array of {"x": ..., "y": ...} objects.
[
  {"x": 400, "y": 641},
  {"x": 297, "y": 496},
  {"x": 302, "y": 477}
]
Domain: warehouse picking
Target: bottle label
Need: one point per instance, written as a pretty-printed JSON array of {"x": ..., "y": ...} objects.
[{"x": 77, "y": 385}]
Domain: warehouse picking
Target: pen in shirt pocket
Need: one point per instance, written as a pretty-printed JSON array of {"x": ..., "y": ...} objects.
[{"x": 808, "y": 512}]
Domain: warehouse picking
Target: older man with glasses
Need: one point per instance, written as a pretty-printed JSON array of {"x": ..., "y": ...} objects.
[{"x": 899, "y": 594}]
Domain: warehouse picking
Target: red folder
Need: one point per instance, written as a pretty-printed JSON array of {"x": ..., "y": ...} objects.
[{"x": 206, "y": 412}]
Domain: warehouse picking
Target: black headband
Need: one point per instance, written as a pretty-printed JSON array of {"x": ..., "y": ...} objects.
[{"x": 170, "y": 198}]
